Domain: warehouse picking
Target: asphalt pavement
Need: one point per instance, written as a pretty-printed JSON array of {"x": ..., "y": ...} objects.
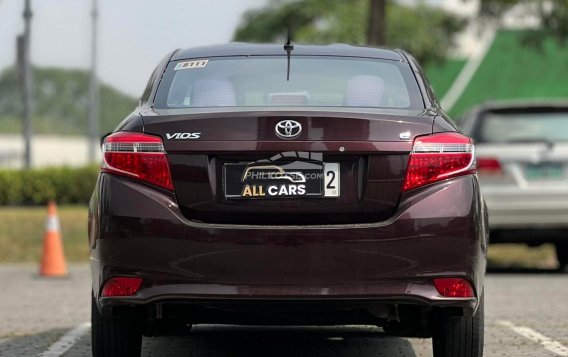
[{"x": 526, "y": 315}]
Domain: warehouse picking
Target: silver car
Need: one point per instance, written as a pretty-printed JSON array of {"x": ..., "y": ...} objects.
[{"x": 522, "y": 163}]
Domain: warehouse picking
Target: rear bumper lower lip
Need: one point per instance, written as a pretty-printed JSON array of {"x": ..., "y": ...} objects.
[
  {"x": 398, "y": 299},
  {"x": 467, "y": 305}
]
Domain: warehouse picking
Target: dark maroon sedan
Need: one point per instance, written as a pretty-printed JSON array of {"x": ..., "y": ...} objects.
[{"x": 262, "y": 184}]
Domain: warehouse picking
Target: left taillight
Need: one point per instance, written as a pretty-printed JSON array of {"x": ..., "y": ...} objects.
[
  {"x": 438, "y": 157},
  {"x": 138, "y": 156}
]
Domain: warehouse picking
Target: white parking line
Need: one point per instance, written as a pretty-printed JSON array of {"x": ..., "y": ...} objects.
[
  {"x": 66, "y": 341},
  {"x": 546, "y": 342}
]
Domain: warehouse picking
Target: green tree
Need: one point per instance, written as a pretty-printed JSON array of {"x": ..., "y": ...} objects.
[
  {"x": 426, "y": 31},
  {"x": 60, "y": 102},
  {"x": 552, "y": 14}
]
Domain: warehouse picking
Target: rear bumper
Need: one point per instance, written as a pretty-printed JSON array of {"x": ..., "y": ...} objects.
[
  {"x": 526, "y": 208},
  {"x": 438, "y": 231}
]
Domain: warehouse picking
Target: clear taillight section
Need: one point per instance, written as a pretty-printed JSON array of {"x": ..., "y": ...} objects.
[
  {"x": 438, "y": 157},
  {"x": 138, "y": 156}
]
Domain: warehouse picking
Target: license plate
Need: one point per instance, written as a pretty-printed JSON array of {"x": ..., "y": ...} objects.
[
  {"x": 297, "y": 179},
  {"x": 544, "y": 171}
]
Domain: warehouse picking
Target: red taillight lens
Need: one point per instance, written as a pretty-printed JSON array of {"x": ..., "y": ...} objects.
[
  {"x": 488, "y": 166},
  {"x": 454, "y": 287},
  {"x": 121, "y": 286},
  {"x": 138, "y": 156},
  {"x": 438, "y": 157}
]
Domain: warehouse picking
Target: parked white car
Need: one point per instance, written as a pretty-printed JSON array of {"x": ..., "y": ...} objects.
[{"x": 522, "y": 163}]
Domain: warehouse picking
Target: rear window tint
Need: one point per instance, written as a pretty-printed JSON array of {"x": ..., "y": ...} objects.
[
  {"x": 523, "y": 127},
  {"x": 260, "y": 81}
]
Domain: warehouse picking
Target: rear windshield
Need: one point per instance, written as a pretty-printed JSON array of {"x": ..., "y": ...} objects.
[
  {"x": 523, "y": 127},
  {"x": 261, "y": 81}
]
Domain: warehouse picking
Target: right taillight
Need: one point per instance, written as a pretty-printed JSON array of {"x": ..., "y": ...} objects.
[
  {"x": 488, "y": 166},
  {"x": 438, "y": 157},
  {"x": 138, "y": 156}
]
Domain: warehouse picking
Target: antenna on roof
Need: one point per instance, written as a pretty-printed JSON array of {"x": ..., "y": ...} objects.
[{"x": 288, "y": 47}]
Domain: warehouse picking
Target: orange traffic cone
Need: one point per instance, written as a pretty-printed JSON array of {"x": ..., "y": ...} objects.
[{"x": 52, "y": 260}]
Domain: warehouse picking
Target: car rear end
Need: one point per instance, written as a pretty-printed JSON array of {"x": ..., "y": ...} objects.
[
  {"x": 211, "y": 210},
  {"x": 522, "y": 160}
]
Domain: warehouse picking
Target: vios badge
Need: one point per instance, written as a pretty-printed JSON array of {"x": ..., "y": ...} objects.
[{"x": 288, "y": 129}]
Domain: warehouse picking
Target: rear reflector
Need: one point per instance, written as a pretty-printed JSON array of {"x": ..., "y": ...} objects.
[
  {"x": 137, "y": 156},
  {"x": 438, "y": 157},
  {"x": 121, "y": 286},
  {"x": 454, "y": 287},
  {"x": 488, "y": 166}
]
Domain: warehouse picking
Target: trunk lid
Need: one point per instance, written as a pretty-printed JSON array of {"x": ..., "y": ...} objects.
[{"x": 371, "y": 150}]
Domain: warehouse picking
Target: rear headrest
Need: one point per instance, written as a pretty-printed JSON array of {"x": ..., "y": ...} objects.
[
  {"x": 213, "y": 93},
  {"x": 364, "y": 91}
]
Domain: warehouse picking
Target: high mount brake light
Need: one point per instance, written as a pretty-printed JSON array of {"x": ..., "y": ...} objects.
[
  {"x": 138, "y": 156},
  {"x": 438, "y": 157}
]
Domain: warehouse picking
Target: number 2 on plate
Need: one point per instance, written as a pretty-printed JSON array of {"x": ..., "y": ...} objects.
[{"x": 331, "y": 179}]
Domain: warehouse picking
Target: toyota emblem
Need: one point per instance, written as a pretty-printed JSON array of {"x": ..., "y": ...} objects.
[{"x": 288, "y": 129}]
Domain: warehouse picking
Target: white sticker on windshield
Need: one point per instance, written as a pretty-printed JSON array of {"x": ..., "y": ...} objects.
[{"x": 191, "y": 64}]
